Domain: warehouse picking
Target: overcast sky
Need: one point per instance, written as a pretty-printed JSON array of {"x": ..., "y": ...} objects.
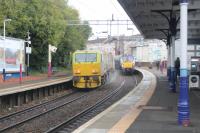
[{"x": 103, "y": 10}]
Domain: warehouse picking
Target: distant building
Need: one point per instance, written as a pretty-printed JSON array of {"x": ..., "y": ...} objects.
[
  {"x": 145, "y": 50},
  {"x": 103, "y": 44}
]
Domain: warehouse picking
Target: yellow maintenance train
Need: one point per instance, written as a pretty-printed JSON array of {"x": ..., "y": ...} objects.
[{"x": 91, "y": 68}]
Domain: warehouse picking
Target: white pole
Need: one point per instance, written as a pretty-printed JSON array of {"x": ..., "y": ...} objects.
[
  {"x": 21, "y": 61},
  {"x": 49, "y": 60},
  {"x": 183, "y": 102},
  {"x": 28, "y": 64},
  {"x": 168, "y": 63},
  {"x": 173, "y": 51},
  {"x": 49, "y": 52},
  {"x": 4, "y": 55},
  {"x": 183, "y": 34},
  {"x": 4, "y": 50},
  {"x": 173, "y": 76},
  {"x": 168, "y": 57},
  {"x": 4, "y": 29}
]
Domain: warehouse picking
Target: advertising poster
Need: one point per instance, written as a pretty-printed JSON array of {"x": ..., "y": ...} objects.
[{"x": 12, "y": 49}]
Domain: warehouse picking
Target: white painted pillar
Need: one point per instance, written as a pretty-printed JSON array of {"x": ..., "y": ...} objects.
[
  {"x": 173, "y": 52},
  {"x": 168, "y": 63},
  {"x": 172, "y": 74},
  {"x": 183, "y": 101},
  {"x": 49, "y": 60},
  {"x": 168, "y": 57},
  {"x": 184, "y": 32}
]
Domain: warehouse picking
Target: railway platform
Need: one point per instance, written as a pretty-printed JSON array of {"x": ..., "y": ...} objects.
[
  {"x": 149, "y": 108},
  {"x": 13, "y": 93}
]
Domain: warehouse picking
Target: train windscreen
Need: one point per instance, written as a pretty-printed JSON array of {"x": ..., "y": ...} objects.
[
  {"x": 128, "y": 58},
  {"x": 86, "y": 57}
]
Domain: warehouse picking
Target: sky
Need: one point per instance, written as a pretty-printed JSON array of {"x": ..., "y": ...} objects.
[{"x": 104, "y": 10}]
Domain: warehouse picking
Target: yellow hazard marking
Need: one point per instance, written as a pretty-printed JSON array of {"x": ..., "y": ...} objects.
[{"x": 124, "y": 123}]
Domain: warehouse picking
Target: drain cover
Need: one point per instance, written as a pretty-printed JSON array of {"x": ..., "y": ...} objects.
[{"x": 156, "y": 108}]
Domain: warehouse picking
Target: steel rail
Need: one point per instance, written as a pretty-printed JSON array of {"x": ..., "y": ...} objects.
[
  {"x": 85, "y": 111},
  {"x": 33, "y": 107},
  {"x": 40, "y": 114}
]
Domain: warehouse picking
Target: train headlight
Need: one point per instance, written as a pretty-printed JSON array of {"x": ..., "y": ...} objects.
[
  {"x": 77, "y": 71},
  {"x": 94, "y": 71}
]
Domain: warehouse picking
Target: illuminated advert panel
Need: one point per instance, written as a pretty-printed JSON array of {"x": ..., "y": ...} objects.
[{"x": 13, "y": 48}]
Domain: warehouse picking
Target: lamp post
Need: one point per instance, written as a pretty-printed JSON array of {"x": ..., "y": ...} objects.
[
  {"x": 4, "y": 52},
  {"x": 4, "y": 27}
]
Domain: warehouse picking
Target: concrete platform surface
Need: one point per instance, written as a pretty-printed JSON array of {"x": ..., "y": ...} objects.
[
  {"x": 11, "y": 88},
  {"x": 146, "y": 111},
  {"x": 122, "y": 114},
  {"x": 164, "y": 118}
]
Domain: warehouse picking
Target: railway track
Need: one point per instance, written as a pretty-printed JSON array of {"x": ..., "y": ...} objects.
[
  {"x": 66, "y": 114},
  {"x": 62, "y": 127},
  {"x": 15, "y": 119}
]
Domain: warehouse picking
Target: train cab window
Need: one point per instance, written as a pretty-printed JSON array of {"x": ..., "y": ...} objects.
[
  {"x": 86, "y": 57},
  {"x": 91, "y": 57},
  {"x": 127, "y": 58},
  {"x": 80, "y": 57}
]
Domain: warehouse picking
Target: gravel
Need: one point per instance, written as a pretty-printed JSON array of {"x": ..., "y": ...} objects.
[{"x": 53, "y": 118}]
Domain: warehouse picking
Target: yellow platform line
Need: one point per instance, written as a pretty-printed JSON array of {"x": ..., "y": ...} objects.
[{"x": 124, "y": 123}]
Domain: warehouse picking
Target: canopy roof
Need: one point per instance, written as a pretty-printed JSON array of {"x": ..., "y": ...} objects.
[{"x": 149, "y": 16}]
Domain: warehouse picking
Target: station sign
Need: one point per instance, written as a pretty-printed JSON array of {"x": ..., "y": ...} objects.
[{"x": 28, "y": 50}]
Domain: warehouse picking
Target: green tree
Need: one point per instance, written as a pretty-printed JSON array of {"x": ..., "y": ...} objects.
[{"x": 47, "y": 22}]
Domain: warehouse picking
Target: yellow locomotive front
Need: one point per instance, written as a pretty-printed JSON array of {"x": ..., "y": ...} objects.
[
  {"x": 127, "y": 64},
  {"x": 86, "y": 69}
]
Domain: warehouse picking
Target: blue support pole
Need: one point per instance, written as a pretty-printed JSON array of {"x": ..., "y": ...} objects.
[{"x": 183, "y": 102}]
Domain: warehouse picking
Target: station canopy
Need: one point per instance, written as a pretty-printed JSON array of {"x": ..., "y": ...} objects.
[{"x": 150, "y": 17}]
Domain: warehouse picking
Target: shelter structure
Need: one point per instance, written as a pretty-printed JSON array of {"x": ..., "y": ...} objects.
[{"x": 169, "y": 20}]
